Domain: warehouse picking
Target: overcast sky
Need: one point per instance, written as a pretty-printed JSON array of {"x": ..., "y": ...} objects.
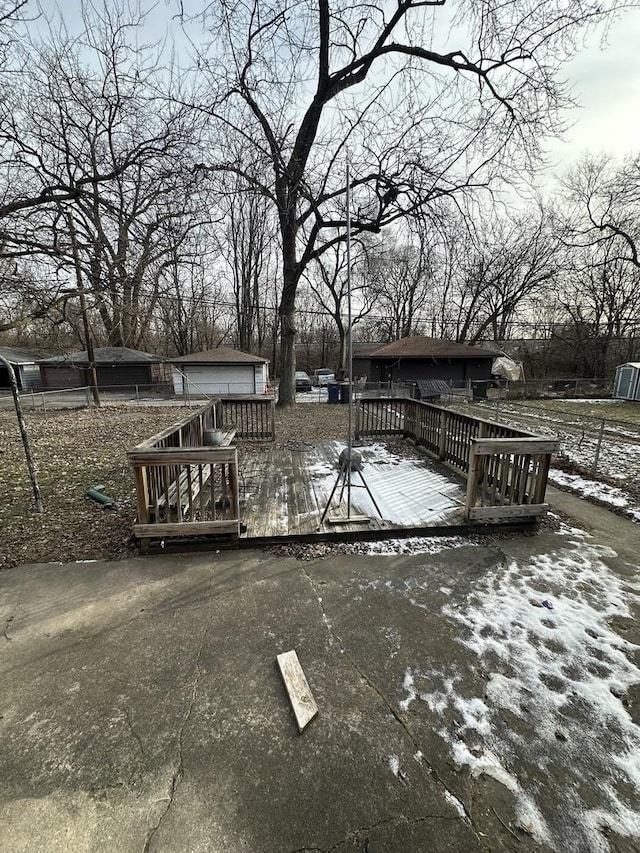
[{"x": 606, "y": 82}]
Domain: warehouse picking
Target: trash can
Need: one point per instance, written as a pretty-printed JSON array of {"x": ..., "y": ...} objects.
[
  {"x": 333, "y": 392},
  {"x": 479, "y": 390},
  {"x": 344, "y": 392}
]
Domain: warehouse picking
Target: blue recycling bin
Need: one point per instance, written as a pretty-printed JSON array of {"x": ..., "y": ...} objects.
[{"x": 333, "y": 392}]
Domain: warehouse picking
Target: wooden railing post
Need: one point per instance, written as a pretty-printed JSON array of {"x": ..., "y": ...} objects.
[
  {"x": 541, "y": 479},
  {"x": 233, "y": 484},
  {"x": 472, "y": 481},
  {"x": 142, "y": 493},
  {"x": 410, "y": 421},
  {"x": 444, "y": 426}
]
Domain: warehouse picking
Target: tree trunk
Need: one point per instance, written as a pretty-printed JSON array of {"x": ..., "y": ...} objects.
[
  {"x": 287, "y": 388},
  {"x": 290, "y": 280}
]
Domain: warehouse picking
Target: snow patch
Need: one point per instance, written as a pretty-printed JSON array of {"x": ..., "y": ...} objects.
[
  {"x": 590, "y": 488},
  {"x": 456, "y": 803},
  {"x": 416, "y": 545},
  {"x": 553, "y": 724}
]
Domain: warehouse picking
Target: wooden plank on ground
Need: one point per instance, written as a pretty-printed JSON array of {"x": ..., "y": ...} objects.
[
  {"x": 302, "y": 519},
  {"x": 269, "y": 496},
  {"x": 300, "y": 696},
  {"x": 352, "y": 519}
]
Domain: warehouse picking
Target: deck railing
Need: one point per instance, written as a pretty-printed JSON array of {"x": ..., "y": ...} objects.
[
  {"x": 186, "y": 486},
  {"x": 253, "y": 417},
  {"x": 506, "y": 469}
]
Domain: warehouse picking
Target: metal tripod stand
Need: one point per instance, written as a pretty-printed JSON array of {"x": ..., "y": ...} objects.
[{"x": 347, "y": 464}]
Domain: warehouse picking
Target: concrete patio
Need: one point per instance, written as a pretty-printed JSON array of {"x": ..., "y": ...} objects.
[{"x": 142, "y": 709}]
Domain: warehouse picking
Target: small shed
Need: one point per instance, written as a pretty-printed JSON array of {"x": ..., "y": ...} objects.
[
  {"x": 627, "y": 382},
  {"x": 116, "y": 367},
  {"x": 220, "y": 371},
  {"x": 25, "y": 367}
]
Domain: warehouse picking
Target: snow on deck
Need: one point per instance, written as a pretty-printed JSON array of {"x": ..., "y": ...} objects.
[{"x": 284, "y": 491}]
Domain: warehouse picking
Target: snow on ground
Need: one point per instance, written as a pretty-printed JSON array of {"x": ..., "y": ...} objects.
[
  {"x": 316, "y": 395},
  {"x": 594, "y": 489},
  {"x": 412, "y": 545},
  {"x": 554, "y": 716}
]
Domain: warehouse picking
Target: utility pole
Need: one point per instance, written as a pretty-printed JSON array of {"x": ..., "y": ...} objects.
[
  {"x": 88, "y": 339},
  {"x": 93, "y": 377}
]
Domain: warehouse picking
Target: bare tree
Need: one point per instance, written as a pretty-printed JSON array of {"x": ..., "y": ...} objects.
[
  {"x": 601, "y": 205},
  {"x": 296, "y": 84},
  {"x": 30, "y": 179},
  {"x": 247, "y": 247},
  {"x": 507, "y": 263},
  {"x": 194, "y": 312},
  {"x": 328, "y": 283},
  {"x": 400, "y": 276},
  {"x": 98, "y": 171},
  {"x": 600, "y": 298},
  {"x": 600, "y": 293}
]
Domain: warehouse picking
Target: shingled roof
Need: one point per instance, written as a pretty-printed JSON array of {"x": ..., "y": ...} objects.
[
  {"x": 421, "y": 347},
  {"x": 105, "y": 355},
  {"x": 19, "y": 355},
  {"x": 220, "y": 355}
]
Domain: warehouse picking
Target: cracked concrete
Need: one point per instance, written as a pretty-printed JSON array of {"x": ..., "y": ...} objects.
[
  {"x": 142, "y": 709},
  {"x": 335, "y": 638},
  {"x": 179, "y": 770}
]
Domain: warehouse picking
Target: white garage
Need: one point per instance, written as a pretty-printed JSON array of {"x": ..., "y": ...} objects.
[{"x": 220, "y": 372}]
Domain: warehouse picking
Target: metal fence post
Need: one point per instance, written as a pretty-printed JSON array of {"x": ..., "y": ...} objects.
[{"x": 594, "y": 467}]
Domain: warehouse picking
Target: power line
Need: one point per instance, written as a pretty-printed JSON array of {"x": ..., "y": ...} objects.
[{"x": 420, "y": 319}]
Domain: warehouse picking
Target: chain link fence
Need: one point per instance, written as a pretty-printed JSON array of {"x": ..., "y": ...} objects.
[
  {"x": 604, "y": 445},
  {"x": 157, "y": 394}
]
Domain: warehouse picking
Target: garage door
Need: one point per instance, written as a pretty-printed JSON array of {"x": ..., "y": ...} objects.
[
  {"x": 232, "y": 379},
  {"x": 62, "y": 377}
]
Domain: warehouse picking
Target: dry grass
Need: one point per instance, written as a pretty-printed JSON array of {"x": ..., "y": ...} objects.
[{"x": 78, "y": 449}]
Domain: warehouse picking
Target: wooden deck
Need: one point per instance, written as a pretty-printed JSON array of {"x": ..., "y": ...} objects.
[
  {"x": 284, "y": 492},
  {"x": 256, "y": 493}
]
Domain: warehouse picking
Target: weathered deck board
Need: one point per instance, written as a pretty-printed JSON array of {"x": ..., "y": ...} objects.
[
  {"x": 304, "y": 505},
  {"x": 284, "y": 491}
]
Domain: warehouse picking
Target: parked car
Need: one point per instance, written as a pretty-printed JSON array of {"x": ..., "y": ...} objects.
[
  {"x": 303, "y": 383},
  {"x": 322, "y": 376}
]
